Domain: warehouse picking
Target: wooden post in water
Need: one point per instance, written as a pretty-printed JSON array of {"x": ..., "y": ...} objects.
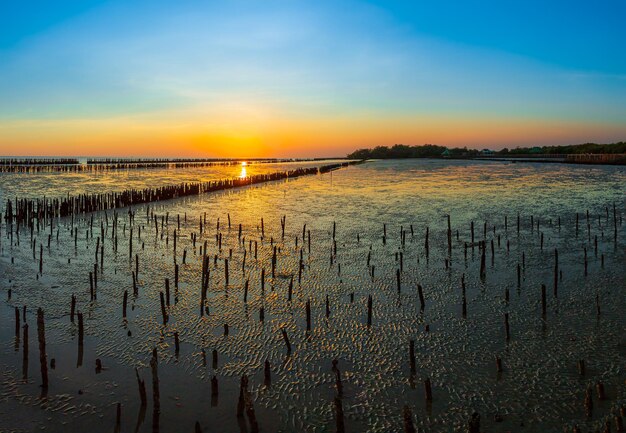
[
  {"x": 286, "y": 339},
  {"x": 124, "y": 304},
  {"x": 428, "y": 390},
  {"x": 72, "y": 308},
  {"x": 156, "y": 396},
  {"x": 163, "y": 312},
  {"x": 588, "y": 402},
  {"x": 398, "y": 279},
  {"x": 556, "y": 272},
  {"x": 81, "y": 330},
  {"x": 339, "y": 417},
  {"x": 141, "y": 384},
  {"x": 25, "y": 353},
  {"x": 407, "y": 420},
  {"x": 17, "y": 328},
  {"x": 43, "y": 360},
  {"x": 449, "y": 237},
  {"x": 308, "y": 315},
  {"x": 482, "y": 260},
  {"x": 267, "y": 373}
]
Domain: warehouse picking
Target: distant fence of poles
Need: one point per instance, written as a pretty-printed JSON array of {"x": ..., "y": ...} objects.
[
  {"x": 25, "y": 211},
  {"x": 43, "y": 165},
  {"x": 571, "y": 158}
]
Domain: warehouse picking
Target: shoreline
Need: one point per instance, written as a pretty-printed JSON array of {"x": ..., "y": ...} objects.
[{"x": 515, "y": 160}]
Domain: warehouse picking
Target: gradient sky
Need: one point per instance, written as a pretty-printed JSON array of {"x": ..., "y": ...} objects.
[{"x": 295, "y": 78}]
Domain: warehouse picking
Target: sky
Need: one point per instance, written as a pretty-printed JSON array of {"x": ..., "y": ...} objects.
[{"x": 307, "y": 78}]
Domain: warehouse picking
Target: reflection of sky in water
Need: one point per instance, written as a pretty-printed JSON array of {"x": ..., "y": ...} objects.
[
  {"x": 58, "y": 184},
  {"x": 457, "y": 354}
]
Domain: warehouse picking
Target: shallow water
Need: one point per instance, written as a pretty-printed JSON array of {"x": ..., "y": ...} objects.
[
  {"x": 540, "y": 387},
  {"x": 61, "y": 183}
]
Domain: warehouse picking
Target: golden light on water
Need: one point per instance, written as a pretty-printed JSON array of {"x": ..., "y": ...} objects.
[{"x": 244, "y": 171}]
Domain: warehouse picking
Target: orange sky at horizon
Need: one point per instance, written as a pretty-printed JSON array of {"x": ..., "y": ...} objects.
[{"x": 293, "y": 137}]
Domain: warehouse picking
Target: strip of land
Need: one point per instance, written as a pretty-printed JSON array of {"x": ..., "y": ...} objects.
[{"x": 588, "y": 153}]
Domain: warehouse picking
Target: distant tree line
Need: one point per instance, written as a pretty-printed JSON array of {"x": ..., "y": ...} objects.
[
  {"x": 434, "y": 151},
  {"x": 619, "y": 147},
  {"x": 404, "y": 151}
]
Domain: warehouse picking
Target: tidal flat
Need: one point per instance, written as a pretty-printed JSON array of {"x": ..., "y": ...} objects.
[{"x": 442, "y": 289}]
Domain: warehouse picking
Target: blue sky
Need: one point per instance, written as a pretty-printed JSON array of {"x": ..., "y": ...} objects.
[{"x": 293, "y": 77}]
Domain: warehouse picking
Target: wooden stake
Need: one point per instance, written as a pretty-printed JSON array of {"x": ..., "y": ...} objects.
[{"x": 43, "y": 360}]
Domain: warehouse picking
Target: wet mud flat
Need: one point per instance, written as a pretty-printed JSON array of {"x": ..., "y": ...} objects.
[{"x": 513, "y": 311}]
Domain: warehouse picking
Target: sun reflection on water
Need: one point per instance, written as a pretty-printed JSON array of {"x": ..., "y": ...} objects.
[{"x": 244, "y": 171}]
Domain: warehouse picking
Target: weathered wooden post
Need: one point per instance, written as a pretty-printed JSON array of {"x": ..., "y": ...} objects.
[
  {"x": 421, "y": 296},
  {"x": 25, "y": 353},
  {"x": 398, "y": 279},
  {"x": 308, "y": 315},
  {"x": 339, "y": 417},
  {"x": 81, "y": 330},
  {"x": 163, "y": 311},
  {"x": 124, "y": 304},
  {"x": 556, "y": 272},
  {"x": 43, "y": 360},
  {"x": 267, "y": 373},
  {"x": 118, "y": 418},
  {"x": 17, "y": 328},
  {"x": 482, "y": 260},
  {"x": 588, "y": 402},
  {"x": 286, "y": 338},
  {"x": 141, "y": 384},
  {"x": 72, "y": 308},
  {"x": 428, "y": 390}
]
